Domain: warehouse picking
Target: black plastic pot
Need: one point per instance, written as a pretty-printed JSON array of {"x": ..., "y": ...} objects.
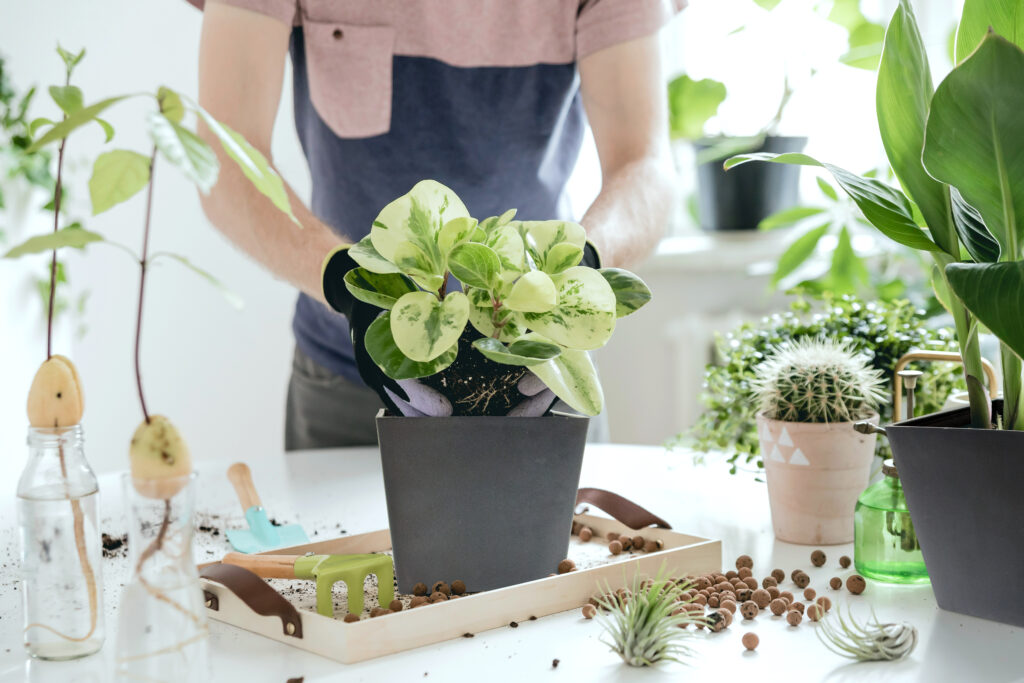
[
  {"x": 488, "y": 500},
  {"x": 741, "y": 198},
  {"x": 963, "y": 489}
]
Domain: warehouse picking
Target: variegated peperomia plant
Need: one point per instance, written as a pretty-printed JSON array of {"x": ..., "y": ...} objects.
[{"x": 524, "y": 291}]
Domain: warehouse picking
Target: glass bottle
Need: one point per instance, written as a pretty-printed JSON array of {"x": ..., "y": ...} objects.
[
  {"x": 162, "y": 630},
  {"x": 62, "y": 586},
  {"x": 885, "y": 545}
]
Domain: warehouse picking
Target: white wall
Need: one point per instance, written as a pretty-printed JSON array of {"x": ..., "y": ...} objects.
[{"x": 220, "y": 374}]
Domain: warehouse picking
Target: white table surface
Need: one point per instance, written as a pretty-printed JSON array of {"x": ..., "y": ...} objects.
[{"x": 325, "y": 489}]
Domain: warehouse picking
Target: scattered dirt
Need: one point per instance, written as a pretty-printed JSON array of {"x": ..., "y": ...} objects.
[{"x": 114, "y": 546}]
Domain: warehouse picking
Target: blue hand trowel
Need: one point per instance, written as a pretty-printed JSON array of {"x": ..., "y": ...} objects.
[{"x": 261, "y": 534}]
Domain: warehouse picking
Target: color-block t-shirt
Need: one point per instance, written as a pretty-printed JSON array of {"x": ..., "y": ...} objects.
[{"x": 481, "y": 95}]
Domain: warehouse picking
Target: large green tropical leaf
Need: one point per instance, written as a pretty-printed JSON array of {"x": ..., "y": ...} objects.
[
  {"x": 585, "y": 315},
  {"x": 75, "y": 238},
  {"x": 631, "y": 293},
  {"x": 380, "y": 344},
  {"x": 791, "y": 216},
  {"x": 524, "y": 352},
  {"x": 691, "y": 103},
  {"x": 994, "y": 293},
  {"x": 883, "y": 206},
  {"x": 184, "y": 149},
  {"x": 425, "y": 328},
  {"x": 116, "y": 177},
  {"x": 573, "y": 378},
  {"x": 73, "y": 121},
  {"x": 251, "y": 161},
  {"x": 415, "y": 219},
  {"x": 378, "y": 289},
  {"x": 975, "y": 138},
  {"x": 1005, "y": 17},
  {"x": 865, "y": 46},
  {"x": 974, "y": 235},
  {"x": 902, "y": 100}
]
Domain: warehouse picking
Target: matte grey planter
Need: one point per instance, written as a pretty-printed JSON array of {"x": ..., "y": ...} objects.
[
  {"x": 963, "y": 489},
  {"x": 488, "y": 500},
  {"x": 741, "y": 198}
]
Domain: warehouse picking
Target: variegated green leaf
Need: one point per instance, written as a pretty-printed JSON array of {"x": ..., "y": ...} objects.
[
  {"x": 425, "y": 328},
  {"x": 534, "y": 292},
  {"x": 585, "y": 315},
  {"x": 561, "y": 257},
  {"x": 507, "y": 243},
  {"x": 489, "y": 224},
  {"x": 186, "y": 150},
  {"x": 521, "y": 352},
  {"x": 412, "y": 261},
  {"x": 455, "y": 232},
  {"x": 415, "y": 219},
  {"x": 380, "y": 344},
  {"x": 378, "y": 289},
  {"x": 541, "y": 236},
  {"x": 631, "y": 293},
  {"x": 363, "y": 253},
  {"x": 573, "y": 378},
  {"x": 475, "y": 265}
]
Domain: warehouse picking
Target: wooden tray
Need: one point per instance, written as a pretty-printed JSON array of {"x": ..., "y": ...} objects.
[{"x": 369, "y": 638}]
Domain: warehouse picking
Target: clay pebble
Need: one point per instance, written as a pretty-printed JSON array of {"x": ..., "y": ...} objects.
[
  {"x": 856, "y": 584},
  {"x": 750, "y": 641},
  {"x": 794, "y": 618},
  {"x": 818, "y": 558},
  {"x": 844, "y": 561},
  {"x": 749, "y": 609}
]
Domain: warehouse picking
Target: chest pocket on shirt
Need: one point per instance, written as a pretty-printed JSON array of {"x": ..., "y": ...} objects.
[{"x": 349, "y": 71}]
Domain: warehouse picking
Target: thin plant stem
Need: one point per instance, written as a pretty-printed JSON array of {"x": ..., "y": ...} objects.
[
  {"x": 151, "y": 549},
  {"x": 56, "y": 224},
  {"x": 142, "y": 284}
]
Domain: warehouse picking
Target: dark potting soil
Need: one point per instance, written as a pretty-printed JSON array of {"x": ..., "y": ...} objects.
[
  {"x": 476, "y": 385},
  {"x": 114, "y": 546}
]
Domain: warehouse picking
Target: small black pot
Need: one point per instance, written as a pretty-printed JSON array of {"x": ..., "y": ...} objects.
[
  {"x": 963, "y": 489},
  {"x": 741, "y": 198},
  {"x": 488, "y": 500}
]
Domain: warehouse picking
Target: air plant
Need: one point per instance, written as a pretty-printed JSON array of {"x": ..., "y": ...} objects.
[
  {"x": 871, "y": 641},
  {"x": 646, "y": 625},
  {"x": 817, "y": 380}
]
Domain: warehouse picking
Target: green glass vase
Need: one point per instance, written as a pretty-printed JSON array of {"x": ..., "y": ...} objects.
[{"x": 885, "y": 545}]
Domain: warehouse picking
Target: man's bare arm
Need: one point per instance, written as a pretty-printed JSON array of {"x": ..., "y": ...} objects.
[
  {"x": 241, "y": 66},
  {"x": 624, "y": 96}
]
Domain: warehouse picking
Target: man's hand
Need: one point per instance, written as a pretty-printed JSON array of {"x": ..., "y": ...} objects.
[
  {"x": 241, "y": 66},
  {"x": 624, "y": 96}
]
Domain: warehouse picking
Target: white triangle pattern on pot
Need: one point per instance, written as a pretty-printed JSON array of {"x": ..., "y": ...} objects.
[
  {"x": 784, "y": 438},
  {"x": 798, "y": 458},
  {"x": 776, "y": 455}
]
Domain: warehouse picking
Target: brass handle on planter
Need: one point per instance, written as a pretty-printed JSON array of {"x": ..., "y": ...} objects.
[{"x": 947, "y": 356}]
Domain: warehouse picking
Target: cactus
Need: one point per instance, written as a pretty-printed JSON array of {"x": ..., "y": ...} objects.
[{"x": 818, "y": 380}]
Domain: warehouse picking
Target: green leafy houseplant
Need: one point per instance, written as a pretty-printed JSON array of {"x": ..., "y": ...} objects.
[
  {"x": 880, "y": 331},
  {"x": 817, "y": 380},
  {"x": 959, "y": 153},
  {"x": 527, "y": 305}
]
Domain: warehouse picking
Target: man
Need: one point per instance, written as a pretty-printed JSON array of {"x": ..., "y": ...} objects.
[{"x": 485, "y": 96}]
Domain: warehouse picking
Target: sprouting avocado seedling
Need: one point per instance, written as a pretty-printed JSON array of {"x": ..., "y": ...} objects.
[
  {"x": 55, "y": 397},
  {"x": 159, "y": 458}
]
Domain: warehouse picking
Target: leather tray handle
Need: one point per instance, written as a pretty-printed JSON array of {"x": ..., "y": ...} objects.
[
  {"x": 256, "y": 594},
  {"x": 623, "y": 510}
]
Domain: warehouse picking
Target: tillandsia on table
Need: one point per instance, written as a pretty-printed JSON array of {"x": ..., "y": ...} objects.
[
  {"x": 882, "y": 332},
  {"x": 955, "y": 150},
  {"x": 870, "y": 641},
  {"x": 159, "y": 457},
  {"x": 647, "y": 624},
  {"x": 527, "y": 304}
]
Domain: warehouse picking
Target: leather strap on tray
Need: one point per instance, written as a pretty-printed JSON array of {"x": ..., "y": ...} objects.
[
  {"x": 256, "y": 594},
  {"x": 623, "y": 510}
]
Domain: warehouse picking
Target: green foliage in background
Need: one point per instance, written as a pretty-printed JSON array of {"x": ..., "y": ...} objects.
[{"x": 881, "y": 331}]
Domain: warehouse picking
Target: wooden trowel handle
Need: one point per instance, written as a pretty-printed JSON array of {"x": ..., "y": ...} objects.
[
  {"x": 267, "y": 566},
  {"x": 241, "y": 478}
]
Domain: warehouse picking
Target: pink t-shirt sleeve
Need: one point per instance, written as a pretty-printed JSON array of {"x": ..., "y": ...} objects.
[
  {"x": 285, "y": 11},
  {"x": 603, "y": 23}
]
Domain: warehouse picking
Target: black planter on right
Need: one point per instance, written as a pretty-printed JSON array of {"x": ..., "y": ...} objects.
[
  {"x": 964, "y": 491},
  {"x": 741, "y": 198}
]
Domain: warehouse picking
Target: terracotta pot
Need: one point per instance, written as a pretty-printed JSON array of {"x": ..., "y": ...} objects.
[{"x": 815, "y": 473}]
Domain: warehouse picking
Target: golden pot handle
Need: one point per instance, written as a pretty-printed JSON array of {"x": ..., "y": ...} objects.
[{"x": 946, "y": 356}]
